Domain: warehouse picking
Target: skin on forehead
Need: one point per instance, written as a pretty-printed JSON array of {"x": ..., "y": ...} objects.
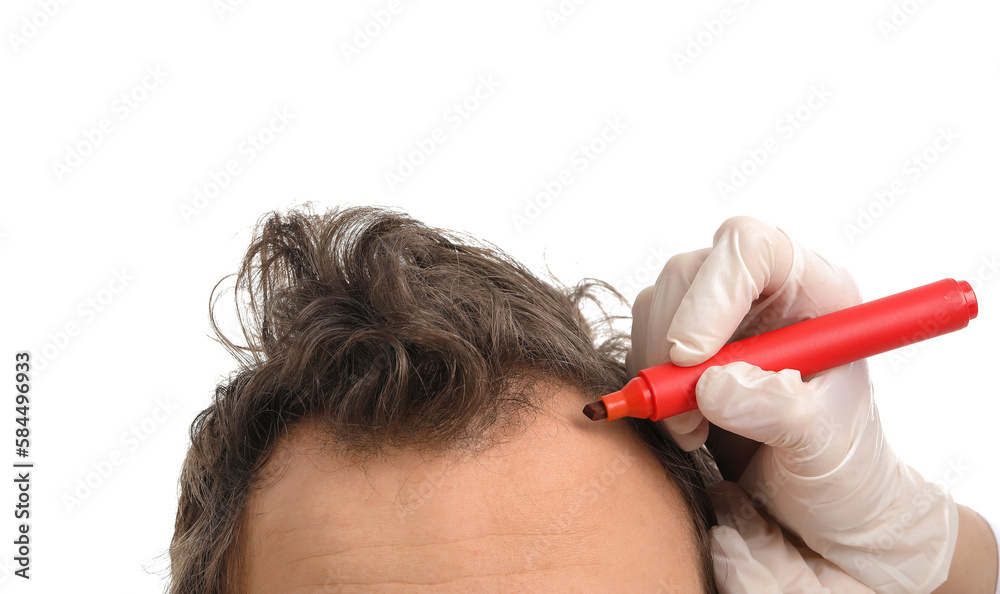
[{"x": 565, "y": 505}]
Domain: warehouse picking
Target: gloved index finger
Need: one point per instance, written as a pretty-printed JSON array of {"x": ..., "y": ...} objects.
[
  {"x": 671, "y": 285},
  {"x": 748, "y": 260}
]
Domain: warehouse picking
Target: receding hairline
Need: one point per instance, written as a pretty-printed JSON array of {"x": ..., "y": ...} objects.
[
  {"x": 313, "y": 435},
  {"x": 308, "y": 438}
]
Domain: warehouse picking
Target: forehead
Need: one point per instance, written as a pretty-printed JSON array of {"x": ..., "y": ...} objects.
[{"x": 566, "y": 502}]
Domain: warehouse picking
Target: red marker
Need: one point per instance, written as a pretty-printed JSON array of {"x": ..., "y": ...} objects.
[{"x": 810, "y": 346}]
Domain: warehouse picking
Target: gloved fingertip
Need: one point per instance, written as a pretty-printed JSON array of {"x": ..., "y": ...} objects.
[
  {"x": 643, "y": 301},
  {"x": 730, "y": 395},
  {"x": 706, "y": 389},
  {"x": 690, "y": 442},
  {"x": 630, "y": 364},
  {"x": 684, "y": 422},
  {"x": 684, "y": 355},
  {"x": 699, "y": 436},
  {"x": 708, "y": 376},
  {"x": 739, "y": 374}
]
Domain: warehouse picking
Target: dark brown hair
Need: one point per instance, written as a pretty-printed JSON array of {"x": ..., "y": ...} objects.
[{"x": 389, "y": 334}]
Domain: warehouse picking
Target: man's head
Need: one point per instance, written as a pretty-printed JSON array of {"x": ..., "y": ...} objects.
[{"x": 407, "y": 415}]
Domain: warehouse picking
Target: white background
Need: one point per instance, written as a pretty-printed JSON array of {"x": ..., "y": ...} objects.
[{"x": 145, "y": 361}]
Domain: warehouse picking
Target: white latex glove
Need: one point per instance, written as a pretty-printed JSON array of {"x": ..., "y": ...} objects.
[
  {"x": 753, "y": 279},
  {"x": 752, "y": 555},
  {"x": 828, "y": 474}
]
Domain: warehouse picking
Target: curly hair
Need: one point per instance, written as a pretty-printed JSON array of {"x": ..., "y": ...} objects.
[{"x": 389, "y": 334}]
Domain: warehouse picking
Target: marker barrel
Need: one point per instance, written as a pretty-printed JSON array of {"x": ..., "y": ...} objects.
[{"x": 809, "y": 346}]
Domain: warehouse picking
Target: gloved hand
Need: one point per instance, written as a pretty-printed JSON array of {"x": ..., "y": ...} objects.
[
  {"x": 825, "y": 472},
  {"x": 752, "y": 555},
  {"x": 747, "y": 283},
  {"x": 828, "y": 474}
]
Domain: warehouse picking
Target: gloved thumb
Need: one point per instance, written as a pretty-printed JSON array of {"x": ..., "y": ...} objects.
[{"x": 774, "y": 408}]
